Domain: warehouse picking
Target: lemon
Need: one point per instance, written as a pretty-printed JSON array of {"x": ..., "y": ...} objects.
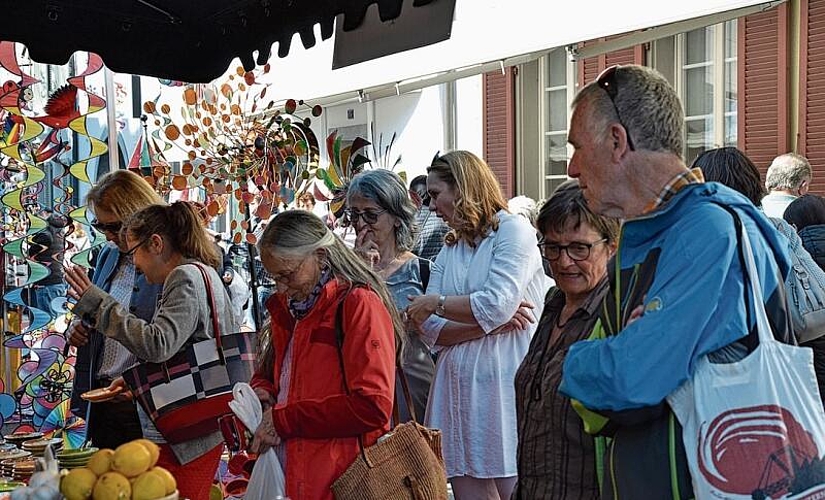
[
  {"x": 152, "y": 448},
  {"x": 131, "y": 459},
  {"x": 78, "y": 484},
  {"x": 149, "y": 486},
  {"x": 112, "y": 486},
  {"x": 101, "y": 462},
  {"x": 168, "y": 479}
]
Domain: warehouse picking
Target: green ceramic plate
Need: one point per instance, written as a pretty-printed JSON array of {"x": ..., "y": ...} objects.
[
  {"x": 7, "y": 486},
  {"x": 76, "y": 454}
]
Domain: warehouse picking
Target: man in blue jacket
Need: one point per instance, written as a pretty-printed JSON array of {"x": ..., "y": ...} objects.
[{"x": 677, "y": 287}]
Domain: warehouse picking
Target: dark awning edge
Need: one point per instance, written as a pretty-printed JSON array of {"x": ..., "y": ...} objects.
[{"x": 178, "y": 39}]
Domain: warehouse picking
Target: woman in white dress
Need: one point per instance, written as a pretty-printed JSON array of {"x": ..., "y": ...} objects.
[{"x": 479, "y": 314}]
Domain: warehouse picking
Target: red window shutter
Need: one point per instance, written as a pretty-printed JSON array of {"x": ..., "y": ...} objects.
[
  {"x": 590, "y": 68},
  {"x": 812, "y": 89},
  {"x": 762, "y": 119},
  {"x": 499, "y": 118}
]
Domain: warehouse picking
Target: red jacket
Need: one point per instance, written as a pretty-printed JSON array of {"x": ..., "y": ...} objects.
[{"x": 319, "y": 422}]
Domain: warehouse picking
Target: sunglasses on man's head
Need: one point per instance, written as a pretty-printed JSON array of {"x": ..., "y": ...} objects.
[
  {"x": 607, "y": 81},
  {"x": 112, "y": 227}
]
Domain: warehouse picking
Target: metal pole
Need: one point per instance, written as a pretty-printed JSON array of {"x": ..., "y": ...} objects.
[
  {"x": 253, "y": 275},
  {"x": 111, "y": 119}
]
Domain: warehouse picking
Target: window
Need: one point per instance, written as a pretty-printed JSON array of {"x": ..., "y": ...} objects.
[
  {"x": 701, "y": 64},
  {"x": 558, "y": 77}
]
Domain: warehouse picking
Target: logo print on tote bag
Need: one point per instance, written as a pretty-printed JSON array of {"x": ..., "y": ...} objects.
[{"x": 760, "y": 451}]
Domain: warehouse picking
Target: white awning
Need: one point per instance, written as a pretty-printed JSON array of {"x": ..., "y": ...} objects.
[{"x": 491, "y": 34}]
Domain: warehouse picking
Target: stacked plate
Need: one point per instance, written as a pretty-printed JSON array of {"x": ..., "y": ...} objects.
[
  {"x": 71, "y": 459},
  {"x": 7, "y": 457},
  {"x": 7, "y": 465},
  {"x": 22, "y": 470},
  {"x": 38, "y": 446},
  {"x": 19, "y": 437}
]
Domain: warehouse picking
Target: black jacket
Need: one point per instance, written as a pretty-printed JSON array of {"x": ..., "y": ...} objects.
[{"x": 813, "y": 239}]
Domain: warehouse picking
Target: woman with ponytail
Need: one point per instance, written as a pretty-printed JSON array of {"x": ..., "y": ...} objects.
[
  {"x": 167, "y": 244},
  {"x": 314, "y": 413}
]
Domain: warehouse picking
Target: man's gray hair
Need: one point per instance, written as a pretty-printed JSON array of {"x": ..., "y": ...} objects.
[
  {"x": 524, "y": 206},
  {"x": 648, "y": 107},
  {"x": 787, "y": 171}
]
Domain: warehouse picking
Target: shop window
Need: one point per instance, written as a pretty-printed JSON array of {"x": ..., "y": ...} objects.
[
  {"x": 558, "y": 76},
  {"x": 701, "y": 65}
]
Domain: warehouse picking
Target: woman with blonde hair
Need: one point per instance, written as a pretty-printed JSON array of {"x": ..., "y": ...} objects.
[
  {"x": 326, "y": 377},
  {"x": 100, "y": 359},
  {"x": 479, "y": 312},
  {"x": 170, "y": 248}
]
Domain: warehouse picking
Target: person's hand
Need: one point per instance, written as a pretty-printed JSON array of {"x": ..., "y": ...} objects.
[
  {"x": 366, "y": 247},
  {"x": 421, "y": 307},
  {"x": 265, "y": 435},
  {"x": 522, "y": 318},
  {"x": 635, "y": 314},
  {"x": 124, "y": 395},
  {"x": 78, "y": 281},
  {"x": 227, "y": 277},
  {"x": 265, "y": 397},
  {"x": 78, "y": 333}
]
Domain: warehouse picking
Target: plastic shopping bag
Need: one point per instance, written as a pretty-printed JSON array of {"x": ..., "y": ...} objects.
[
  {"x": 754, "y": 428},
  {"x": 267, "y": 480}
]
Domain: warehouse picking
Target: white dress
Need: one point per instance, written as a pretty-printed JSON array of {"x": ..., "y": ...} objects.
[{"x": 472, "y": 399}]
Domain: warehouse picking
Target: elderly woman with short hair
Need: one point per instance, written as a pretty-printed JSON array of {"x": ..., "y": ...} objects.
[
  {"x": 556, "y": 458},
  {"x": 383, "y": 215}
]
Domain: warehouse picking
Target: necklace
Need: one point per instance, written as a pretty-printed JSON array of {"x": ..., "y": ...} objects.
[
  {"x": 380, "y": 267},
  {"x": 559, "y": 324}
]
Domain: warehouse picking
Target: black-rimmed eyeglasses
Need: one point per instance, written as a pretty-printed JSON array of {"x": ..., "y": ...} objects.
[
  {"x": 103, "y": 227},
  {"x": 577, "y": 251},
  {"x": 607, "y": 81},
  {"x": 368, "y": 216},
  {"x": 131, "y": 251}
]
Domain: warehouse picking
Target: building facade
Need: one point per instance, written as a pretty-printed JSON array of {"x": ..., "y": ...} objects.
[{"x": 754, "y": 82}]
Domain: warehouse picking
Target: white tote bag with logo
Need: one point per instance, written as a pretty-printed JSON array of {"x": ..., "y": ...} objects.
[{"x": 755, "y": 428}]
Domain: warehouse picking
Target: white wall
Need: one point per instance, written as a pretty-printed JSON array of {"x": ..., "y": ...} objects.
[{"x": 417, "y": 119}]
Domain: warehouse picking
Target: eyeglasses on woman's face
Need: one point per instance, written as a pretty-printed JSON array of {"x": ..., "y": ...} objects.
[
  {"x": 107, "y": 227},
  {"x": 131, "y": 251},
  {"x": 368, "y": 216},
  {"x": 286, "y": 277},
  {"x": 577, "y": 251}
]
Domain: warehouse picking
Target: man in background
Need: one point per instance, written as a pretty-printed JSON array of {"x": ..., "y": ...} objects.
[
  {"x": 431, "y": 229},
  {"x": 789, "y": 177}
]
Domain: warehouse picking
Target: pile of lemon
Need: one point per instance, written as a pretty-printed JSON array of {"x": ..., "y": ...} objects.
[{"x": 127, "y": 473}]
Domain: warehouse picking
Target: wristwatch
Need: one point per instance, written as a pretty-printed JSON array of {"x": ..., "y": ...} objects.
[{"x": 440, "y": 310}]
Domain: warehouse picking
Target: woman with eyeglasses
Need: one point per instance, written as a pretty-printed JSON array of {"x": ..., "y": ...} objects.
[
  {"x": 556, "y": 458},
  {"x": 321, "y": 397},
  {"x": 101, "y": 360},
  {"x": 479, "y": 314},
  {"x": 383, "y": 215},
  {"x": 168, "y": 245}
]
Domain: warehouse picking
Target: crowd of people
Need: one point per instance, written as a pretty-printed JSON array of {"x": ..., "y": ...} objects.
[{"x": 542, "y": 340}]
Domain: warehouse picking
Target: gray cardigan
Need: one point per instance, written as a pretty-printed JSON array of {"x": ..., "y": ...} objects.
[{"x": 182, "y": 316}]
